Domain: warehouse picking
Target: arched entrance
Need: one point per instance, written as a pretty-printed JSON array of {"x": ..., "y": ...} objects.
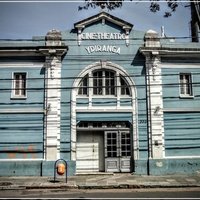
[
  {"x": 103, "y": 146},
  {"x": 104, "y": 119}
]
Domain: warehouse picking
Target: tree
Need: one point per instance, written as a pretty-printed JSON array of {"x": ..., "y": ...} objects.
[
  {"x": 111, "y": 5},
  {"x": 154, "y": 7}
]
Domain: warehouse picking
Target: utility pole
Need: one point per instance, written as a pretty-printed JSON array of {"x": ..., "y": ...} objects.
[{"x": 195, "y": 20}]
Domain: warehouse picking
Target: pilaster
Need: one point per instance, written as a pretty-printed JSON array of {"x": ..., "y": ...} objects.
[
  {"x": 53, "y": 51},
  {"x": 154, "y": 97},
  {"x": 52, "y": 99}
]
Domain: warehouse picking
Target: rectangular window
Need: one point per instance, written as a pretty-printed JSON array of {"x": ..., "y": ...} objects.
[
  {"x": 19, "y": 85},
  {"x": 185, "y": 85}
]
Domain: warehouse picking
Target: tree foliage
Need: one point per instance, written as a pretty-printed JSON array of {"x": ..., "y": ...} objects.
[{"x": 112, "y": 4}]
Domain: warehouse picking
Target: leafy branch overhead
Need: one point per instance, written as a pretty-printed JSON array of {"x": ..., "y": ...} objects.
[
  {"x": 111, "y": 5},
  {"x": 172, "y": 5}
]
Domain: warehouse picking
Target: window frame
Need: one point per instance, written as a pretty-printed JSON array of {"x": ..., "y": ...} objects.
[
  {"x": 105, "y": 85},
  {"x": 97, "y": 85},
  {"x": 185, "y": 86},
  {"x": 22, "y": 88},
  {"x": 125, "y": 88},
  {"x": 83, "y": 90}
]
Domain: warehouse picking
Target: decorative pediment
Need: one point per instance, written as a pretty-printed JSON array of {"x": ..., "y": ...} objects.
[{"x": 103, "y": 17}]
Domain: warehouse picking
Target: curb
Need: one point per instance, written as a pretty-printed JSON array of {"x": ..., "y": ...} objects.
[
  {"x": 120, "y": 186},
  {"x": 126, "y": 186},
  {"x": 12, "y": 187},
  {"x": 39, "y": 187},
  {"x": 52, "y": 187}
]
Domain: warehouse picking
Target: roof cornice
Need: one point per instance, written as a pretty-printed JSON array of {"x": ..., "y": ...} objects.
[
  {"x": 33, "y": 51},
  {"x": 173, "y": 52}
]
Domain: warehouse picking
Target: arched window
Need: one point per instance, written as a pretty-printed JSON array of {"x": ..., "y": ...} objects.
[
  {"x": 104, "y": 82},
  {"x": 124, "y": 87},
  {"x": 83, "y": 87}
]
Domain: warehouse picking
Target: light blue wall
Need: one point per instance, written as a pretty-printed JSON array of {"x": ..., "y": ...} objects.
[
  {"x": 35, "y": 87},
  {"x": 181, "y": 124},
  {"x": 21, "y": 120},
  {"x": 21, "y": 136},
  {"x": 182, "y": 134},
  {"x": 171, "y": 91}
]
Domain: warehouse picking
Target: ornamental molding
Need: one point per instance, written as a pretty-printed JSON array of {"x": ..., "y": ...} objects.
[{"x": 103, "y": 17}]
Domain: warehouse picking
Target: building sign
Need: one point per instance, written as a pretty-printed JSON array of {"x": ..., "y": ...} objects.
[
  {"x": 103, "y": 48},
  {"x": 103, "y": 36}
]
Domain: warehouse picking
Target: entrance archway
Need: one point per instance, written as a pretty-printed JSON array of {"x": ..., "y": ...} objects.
[
  {"x": 103, "y": 147},
  {"x": 104, "y": 92}
]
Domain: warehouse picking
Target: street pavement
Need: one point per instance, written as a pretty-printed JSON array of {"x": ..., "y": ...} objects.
[{"x": 100, "y": 181}]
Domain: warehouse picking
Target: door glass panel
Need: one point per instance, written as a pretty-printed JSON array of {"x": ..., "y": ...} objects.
[
  {"x": 109, "y": 141},
  {"x": 109, "y": 135},
  {"x": 114, "y": 141},
  {"x": 114, "y": 149},
  {"x": 112, "y": 144},
  {"x": 123, "y": 141},
  {"x": 125, "y": 144},
  {"x": 114, "y": 154},
  {"x": 109, "y": 148}
]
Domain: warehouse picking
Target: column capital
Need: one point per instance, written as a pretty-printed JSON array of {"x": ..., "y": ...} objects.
[
  {"x": 152, "y": 39},
  {"x": 53, "y": 38}
]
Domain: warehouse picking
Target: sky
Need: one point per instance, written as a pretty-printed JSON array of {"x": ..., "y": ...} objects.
[{"x": 22, "y": 20}]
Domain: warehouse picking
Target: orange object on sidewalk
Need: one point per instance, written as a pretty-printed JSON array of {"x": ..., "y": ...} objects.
[{"x": 60, "y": 168}]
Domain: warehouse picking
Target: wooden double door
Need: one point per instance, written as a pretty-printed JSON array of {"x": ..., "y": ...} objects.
[{"x": 103, "y": 151}]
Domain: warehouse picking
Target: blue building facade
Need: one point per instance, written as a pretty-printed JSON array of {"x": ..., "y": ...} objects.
[{"x": 104, "y": 97}]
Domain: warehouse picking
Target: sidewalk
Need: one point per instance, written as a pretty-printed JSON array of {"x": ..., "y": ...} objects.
[{"x": 100, "y": 181}]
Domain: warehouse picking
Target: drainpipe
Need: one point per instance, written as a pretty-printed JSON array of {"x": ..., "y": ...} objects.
[{"x": 148, "y": 118}]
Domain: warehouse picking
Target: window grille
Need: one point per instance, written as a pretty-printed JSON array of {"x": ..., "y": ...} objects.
[
  {"x": 83, "y": 87},
  {"x": 19, "y": 89},
  {"x": 104, "y": 82},
  {"x": 185, "y": 85}
]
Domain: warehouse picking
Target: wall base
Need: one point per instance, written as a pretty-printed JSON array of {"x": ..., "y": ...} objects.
[
  {"x": 32, "y": 168},
  {"x": 167, "y": 166},
  {"x": 174, "y": 166},
  {"x": 141, "y": 167}
]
